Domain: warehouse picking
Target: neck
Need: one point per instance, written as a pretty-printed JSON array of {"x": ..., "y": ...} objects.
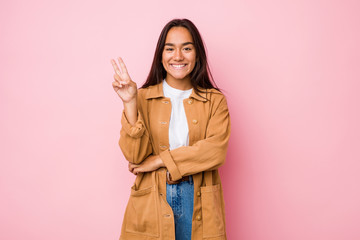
[{"x": 181, "y": 84}]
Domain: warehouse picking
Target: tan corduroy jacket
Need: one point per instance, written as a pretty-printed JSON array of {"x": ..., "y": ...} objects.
[{"x": 148, "y": 216}]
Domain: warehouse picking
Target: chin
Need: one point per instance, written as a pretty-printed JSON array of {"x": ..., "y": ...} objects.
[{"x": 179, "y": 77}]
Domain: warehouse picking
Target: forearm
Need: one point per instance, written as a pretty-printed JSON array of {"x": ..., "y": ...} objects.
[
  {"x": 151, "y": 163},
  {"x": 203, "y": 156},
  {"x": 131, "y": 111}
]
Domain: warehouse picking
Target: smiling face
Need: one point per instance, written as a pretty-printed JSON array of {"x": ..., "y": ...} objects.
[{"x": 179, "y": 57}]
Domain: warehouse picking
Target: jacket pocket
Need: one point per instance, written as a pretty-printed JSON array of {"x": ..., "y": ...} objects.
[
  {"x": 213, "y": 217},
  {"x": 141, "y": 213}
]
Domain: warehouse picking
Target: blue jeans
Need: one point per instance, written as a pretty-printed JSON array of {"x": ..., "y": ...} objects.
[{"x": 181, "y": 199}]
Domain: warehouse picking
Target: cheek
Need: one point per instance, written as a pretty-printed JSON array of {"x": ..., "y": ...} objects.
[
  {"x": 193, "y": 59},
  {"x": 164, "y": 61}
]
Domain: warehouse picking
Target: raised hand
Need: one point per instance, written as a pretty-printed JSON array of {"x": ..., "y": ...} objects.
[{"x": 123, "y": 85}]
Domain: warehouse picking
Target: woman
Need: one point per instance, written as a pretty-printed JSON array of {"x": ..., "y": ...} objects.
[{"x": 175, "y": 132}]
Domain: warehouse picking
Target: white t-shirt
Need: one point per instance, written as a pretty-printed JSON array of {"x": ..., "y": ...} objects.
[{"x": 178, "y": 127}]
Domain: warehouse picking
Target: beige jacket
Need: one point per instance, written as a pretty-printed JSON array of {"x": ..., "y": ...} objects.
[{"x": 148, "y": 216}]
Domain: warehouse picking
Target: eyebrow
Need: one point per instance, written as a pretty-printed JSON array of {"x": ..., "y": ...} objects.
[{"x": 185, "y": 43}]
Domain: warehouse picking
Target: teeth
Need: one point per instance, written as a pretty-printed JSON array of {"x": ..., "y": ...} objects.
[{"x": 178, "y": 66}]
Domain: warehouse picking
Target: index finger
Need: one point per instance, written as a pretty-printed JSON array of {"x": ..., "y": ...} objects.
[
  {"x": 122, "y": 65},
  {"x": 115, "y": 66}
]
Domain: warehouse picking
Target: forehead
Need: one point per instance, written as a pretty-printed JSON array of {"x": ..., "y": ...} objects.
[{"x": 178, "y": 35}]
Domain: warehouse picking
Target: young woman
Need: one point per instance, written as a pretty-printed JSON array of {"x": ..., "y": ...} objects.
[{"x": 175, "y": 132}]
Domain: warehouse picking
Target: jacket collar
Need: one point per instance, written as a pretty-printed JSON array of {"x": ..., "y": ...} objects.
[{"x": 156, "y": 91}]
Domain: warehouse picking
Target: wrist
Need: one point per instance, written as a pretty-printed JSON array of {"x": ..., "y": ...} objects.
[
  {"x": 160, "y": 161},
  {"x": 131, "y": 102},
  {"x": 131, "y": 111}
]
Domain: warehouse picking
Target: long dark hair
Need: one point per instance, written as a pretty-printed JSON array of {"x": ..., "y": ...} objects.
[{"x": 200, "y": 75}]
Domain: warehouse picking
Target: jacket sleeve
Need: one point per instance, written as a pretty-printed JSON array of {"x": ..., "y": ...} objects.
[
  {"x": 134, "y": 140},
  {"x": 204, "y": 155}
]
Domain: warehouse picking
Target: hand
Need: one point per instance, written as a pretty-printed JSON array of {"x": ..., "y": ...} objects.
[
  {"x": 151, "y": 163},
  {"x": 123, "y": 85}
]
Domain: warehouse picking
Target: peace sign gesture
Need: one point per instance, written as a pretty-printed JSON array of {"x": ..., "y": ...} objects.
[{"x": 123, "y": 85}]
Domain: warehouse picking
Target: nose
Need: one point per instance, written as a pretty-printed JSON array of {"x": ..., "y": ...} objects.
[{"x": 178, "y": 56}]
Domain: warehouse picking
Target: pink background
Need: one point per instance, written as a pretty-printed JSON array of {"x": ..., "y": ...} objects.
[{"x": 290, "y": 71}]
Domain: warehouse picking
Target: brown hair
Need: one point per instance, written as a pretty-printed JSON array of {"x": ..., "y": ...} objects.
[{"x": 200, "y": 76}]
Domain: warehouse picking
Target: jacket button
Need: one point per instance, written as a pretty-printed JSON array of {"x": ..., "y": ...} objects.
[
  {"x": 166, "y": 102},
  {"x": 198, "y": 217},
  {"x": 190, "y": 101},
  {"x": 167, "y": 215},
  {"x": 195, "y": 121},
  {"x": 163, "y": 146},
  {"x": 163, "y": 122},
  {"x": 198, "y": 194}
]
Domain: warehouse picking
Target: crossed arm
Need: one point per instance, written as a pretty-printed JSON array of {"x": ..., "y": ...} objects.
[{"x": 206, "y": 154}]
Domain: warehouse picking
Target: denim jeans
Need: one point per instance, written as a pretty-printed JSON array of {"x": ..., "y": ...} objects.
[{"x": 181, "y": 199}]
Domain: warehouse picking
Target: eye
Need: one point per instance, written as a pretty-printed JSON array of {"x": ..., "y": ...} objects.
[
  {"x": 187, "y": 49},
  {"x": 169, "y": 49}
]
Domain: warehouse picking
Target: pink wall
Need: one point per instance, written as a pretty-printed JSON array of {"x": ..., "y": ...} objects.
[{"x": 290, "y": 70}]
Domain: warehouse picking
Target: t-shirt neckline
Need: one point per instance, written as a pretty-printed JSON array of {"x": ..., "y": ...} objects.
[{"x": 175, "y": 91}]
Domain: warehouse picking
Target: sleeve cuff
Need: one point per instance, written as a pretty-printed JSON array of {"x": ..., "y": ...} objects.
[
  {"x": 170, "y": 165},
  {"x": 135, "y": 131}
]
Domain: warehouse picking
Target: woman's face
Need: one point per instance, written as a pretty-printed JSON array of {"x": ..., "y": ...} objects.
[{"x": 179, "y": 55}]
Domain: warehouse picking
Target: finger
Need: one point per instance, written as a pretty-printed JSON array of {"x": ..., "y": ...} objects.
[
  {"x": 118, "y": 79},
  {"x": 116, "y": 84},
  {"x": 136, "y": 171},
  {"x": 132, "y": 167},
  {"x": 115, "y": 66},
  {"x": 122, "y": 65}
]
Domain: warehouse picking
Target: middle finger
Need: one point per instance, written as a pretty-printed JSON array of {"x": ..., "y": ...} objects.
[
  {"x": 122, "y": 65},
  {"x": 119, "y": 80},
  {"x": 115, "y": 66}
]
